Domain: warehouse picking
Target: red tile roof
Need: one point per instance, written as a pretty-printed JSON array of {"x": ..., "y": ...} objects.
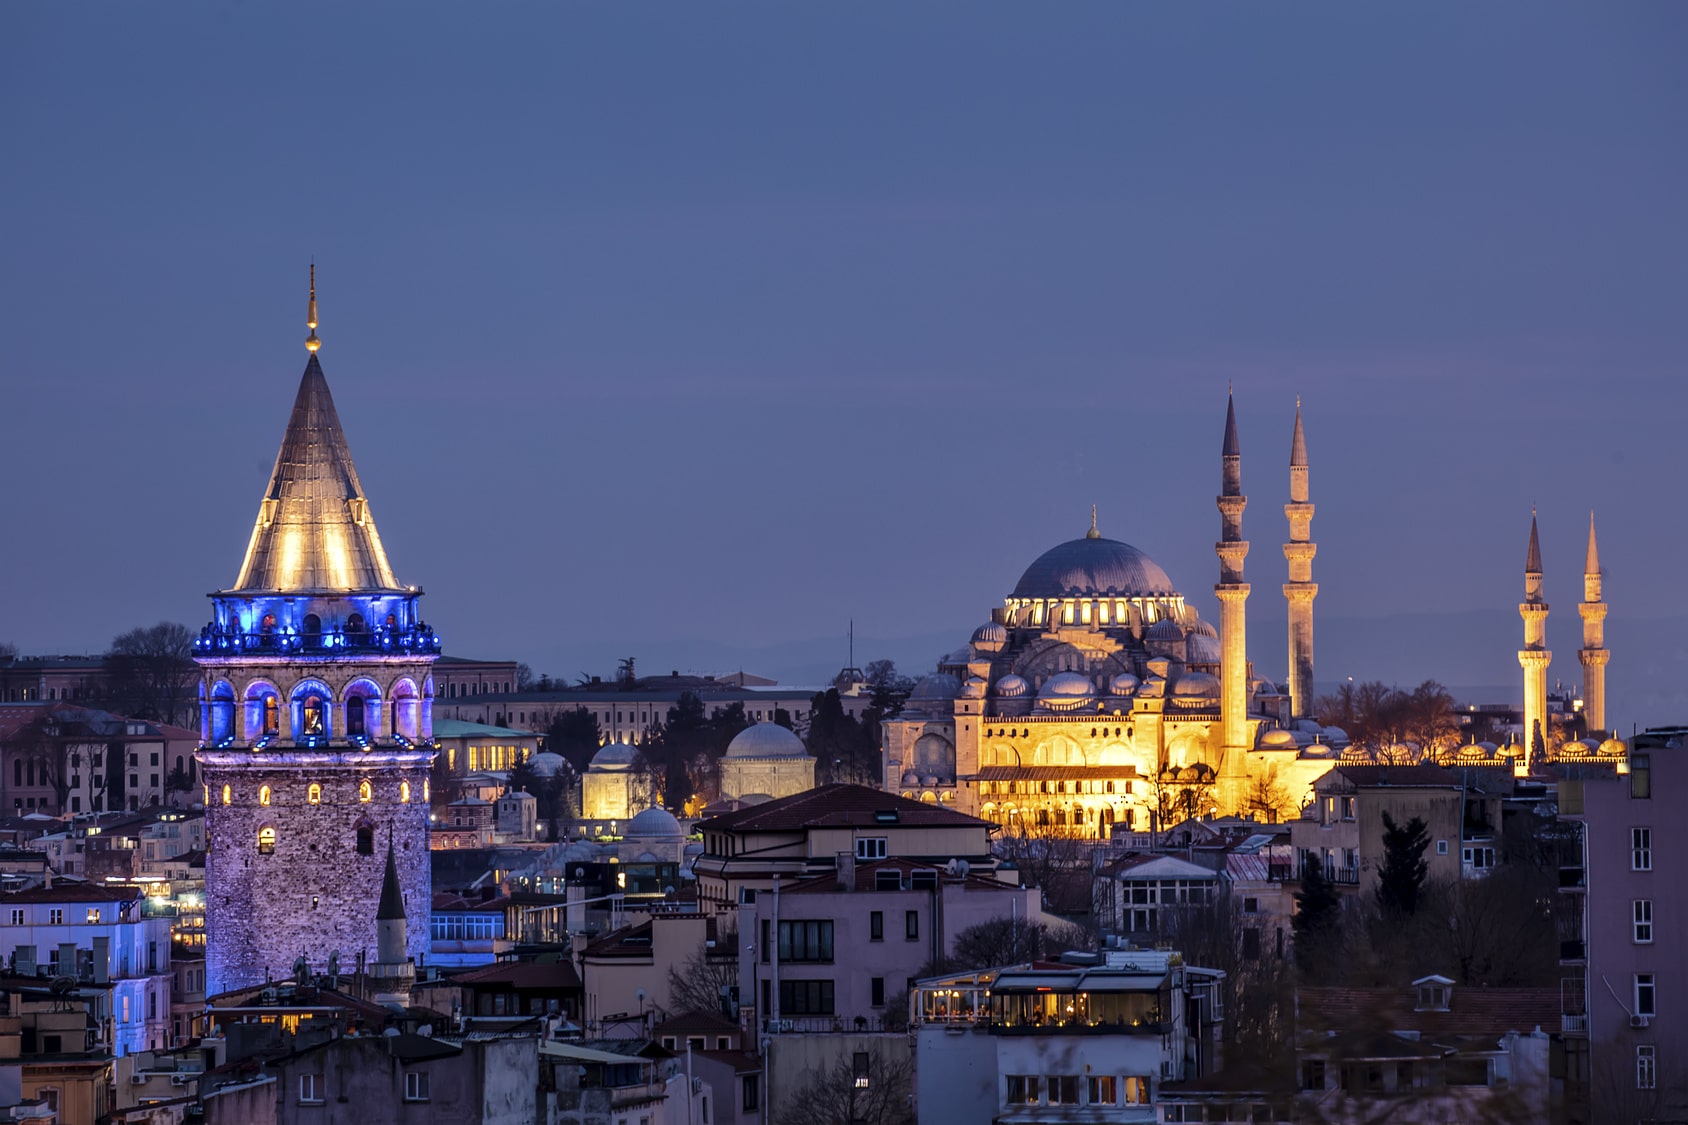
[{"x": 840, "y": 806}]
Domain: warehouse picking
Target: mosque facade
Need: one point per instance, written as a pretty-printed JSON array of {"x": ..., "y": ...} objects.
[
  {"x": 1096, "y": 695},
  {"x": 316, "y": 726}
]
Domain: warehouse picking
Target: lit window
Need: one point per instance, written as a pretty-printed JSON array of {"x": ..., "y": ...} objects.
[
  {"x": 425, "y": 789},
  {"x": 366, "y": 791},
  {"x": 314, "y": 794},
  {"x": 266, "y": 840},
  {"x": 263, "y": 794},
  {"x": 228, "y": 795},
  {"x": 404, "y": 792},
  {"x": 474, "y": 759}
]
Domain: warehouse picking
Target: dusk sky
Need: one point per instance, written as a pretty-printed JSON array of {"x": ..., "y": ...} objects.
[{"x": 692, "y": 333}]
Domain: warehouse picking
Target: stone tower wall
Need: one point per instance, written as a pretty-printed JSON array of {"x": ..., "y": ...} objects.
[{"x": 315, "y": 893}]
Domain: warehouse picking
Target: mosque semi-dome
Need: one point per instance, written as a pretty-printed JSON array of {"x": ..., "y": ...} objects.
[
  {"x": 1123, "y": 684},
  {"x": 766, "y": 740},
  {"x": 1200, "y": 648},
  {"x": 613, "y": 756},
  {"x": 1196, "y": 684},
  {"x": 1094, "y": 567}
]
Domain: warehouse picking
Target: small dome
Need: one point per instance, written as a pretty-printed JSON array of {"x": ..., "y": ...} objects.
[
  {"x": 960, "y": 656},
  {"x": 546, "y": 764},
  {"x": 1123, "y": 684},
  {"x": 939, "y": 687},
  {"x": 1512, "y": 750},
  {"x": 766, "y": 740},
  {"x": 930, "y": 780},
  {"x": 1335, "y": 734},
  {"x": 910, "y": 778},
  {"x": 1203, "y": 629},
  {"x": 1489, "y": 746},
  {"x": 614, "y": 756},
  {"x": 654, "y": 821},
  {"x": 1279, "y": 738},
  {"x": 1166, "y": 629},
  {"x": 1066, "y": 691},
  {"x": 1011, "y": 687},
  {"x": 1196, "y": 684},
  {"x": 1199, "y": 648},
  {"x": 1614, "y": 747},
  {"x": 990, "y": 637},
  {"x": 1579, "y": 748},
  {"x": 1319, "y": 750}
]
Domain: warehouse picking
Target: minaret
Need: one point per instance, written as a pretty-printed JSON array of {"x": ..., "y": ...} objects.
[
  {"x": 1232, "y": 592},
  {"x": 1534, "y": 657},
  {"x": 1300, "y": 590},
  {"x": 392, "y": 974},
  {"x": 1593, "y": 653}
]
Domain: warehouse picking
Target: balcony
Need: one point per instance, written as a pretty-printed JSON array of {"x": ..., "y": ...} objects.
[
  {"x": 1574, "y": 1025},
  {"x": 829, "y": 1025},
  {"x": 1573, "y": 879},
  {"x": 381, "y": 641}
]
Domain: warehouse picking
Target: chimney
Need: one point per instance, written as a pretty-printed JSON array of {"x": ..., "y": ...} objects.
[
  {"x": 102, "y": 960},
  {"x": 847, "y": 870}
]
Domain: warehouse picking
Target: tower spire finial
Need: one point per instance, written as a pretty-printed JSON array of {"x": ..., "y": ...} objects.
[
  {"x": 311, "y": 341},
  {"x": 1093, "y": 533}
]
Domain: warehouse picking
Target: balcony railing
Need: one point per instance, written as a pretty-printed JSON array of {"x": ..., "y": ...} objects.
[
  {"x": 827, "y": 1025},
  {"x": 1574, "y": 1025},
  {"x": 214, "y": 642}
]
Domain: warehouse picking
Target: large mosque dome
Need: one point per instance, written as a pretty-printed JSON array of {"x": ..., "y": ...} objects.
[{"x": 1094, "y": 567}]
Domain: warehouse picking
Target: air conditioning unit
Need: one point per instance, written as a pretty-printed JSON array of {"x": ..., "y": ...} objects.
[
  {"x": 181, "y": 1079},
  {"x": 1640, "y": 1021},
  {"x": 781, "y": 1025},
  {"x": 139, "y": 1079}
]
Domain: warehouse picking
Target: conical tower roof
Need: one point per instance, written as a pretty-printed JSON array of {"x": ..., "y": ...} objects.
[
  {"x": 314, "y": 531},
  {"x": 1298, "y": 443},
  {"x": 392, "y": 899},
  {"x": 1532, "y": 560},
  {"x": 1591, "y": 563},
  {"x": 1233, "y": 447}
]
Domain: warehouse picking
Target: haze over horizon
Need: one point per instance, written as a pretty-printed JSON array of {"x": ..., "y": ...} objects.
[{"x": 637, "y": 359}]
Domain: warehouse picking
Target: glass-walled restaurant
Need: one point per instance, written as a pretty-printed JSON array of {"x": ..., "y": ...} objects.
[{"x": 1018, "y": 1002}]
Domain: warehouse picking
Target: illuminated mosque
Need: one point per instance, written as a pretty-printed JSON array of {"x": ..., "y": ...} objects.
[{"x": 1095, "y": 694}]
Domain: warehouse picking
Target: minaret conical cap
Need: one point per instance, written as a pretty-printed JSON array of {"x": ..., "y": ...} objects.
[
  {"x": 1298, "y": 444},
  {"x": 1591, "y": 564},
  {"x": 1532, "y": 561},
  {"x": 1233, "y": 448},
  {"x": 392, "y": 898}
]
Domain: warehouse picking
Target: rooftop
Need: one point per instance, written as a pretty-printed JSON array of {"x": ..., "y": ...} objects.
[{"x": 840, "y": 806}]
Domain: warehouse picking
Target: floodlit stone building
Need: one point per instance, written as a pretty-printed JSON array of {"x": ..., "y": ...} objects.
[
  {"x": 768, "y": 761},
  {"x": 315, "y": 704}
]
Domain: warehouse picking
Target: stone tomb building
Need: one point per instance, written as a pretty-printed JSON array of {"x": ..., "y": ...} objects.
[{"x": 315, "y": 714}]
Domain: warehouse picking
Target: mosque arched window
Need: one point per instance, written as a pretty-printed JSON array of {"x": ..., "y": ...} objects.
[
  {"x": 228, "y": 795},
  {"x": 266, "y": 840},
  {"x": 404, "y": 792},
  {"x": 263, "y": 794},
  {"x": 366, "y": 791},
  {"x": 314, "y": 794},
  {"x": 366, "y": 838}
]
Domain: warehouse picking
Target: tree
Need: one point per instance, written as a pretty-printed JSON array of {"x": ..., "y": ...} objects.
[
  {"x": 844, "y": 750},
  {"x": 1000, "y": 941},
  {"x": 524, "y": 678},
  {"x": 869, "y": 1087},
  {"x": 707, "y": 981},
  {"x": 1054, "y": 858},
  {"x": 575, "y": 736},
  {"x": 1391, "y": 724},
  {"x": 1267, "y": 800},
  {"x": 888, "y": 689},
  {"x": 1318, "y": 917},
  {"x": 1400, "y": 880},
  {"x": 150, "y": 673}
]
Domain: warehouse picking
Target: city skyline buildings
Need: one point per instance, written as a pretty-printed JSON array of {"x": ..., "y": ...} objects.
[{"x": 867, "y": 339}]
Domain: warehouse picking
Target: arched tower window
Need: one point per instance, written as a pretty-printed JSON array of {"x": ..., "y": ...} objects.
[
  {"x": 425, "y": 795},
  {"x": 315, "y": 719},
  {"x": 266, "y": 840},
  {"x": 272, "y": 715},
  {"x": 263, "y": 794},
  {"x": 366, "y": 791},
  {"x": 404, "y": 792},
  {"x": 354, "y": 714},
  {"x": 314, "y": 794},
  {"x": 228, "y": 795},
  {"x": 267, "y": 625},
  {"x": 366, "y": 838},
  {"x": 356, "y": 627},
  {"x": 312, "y": 629}
]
